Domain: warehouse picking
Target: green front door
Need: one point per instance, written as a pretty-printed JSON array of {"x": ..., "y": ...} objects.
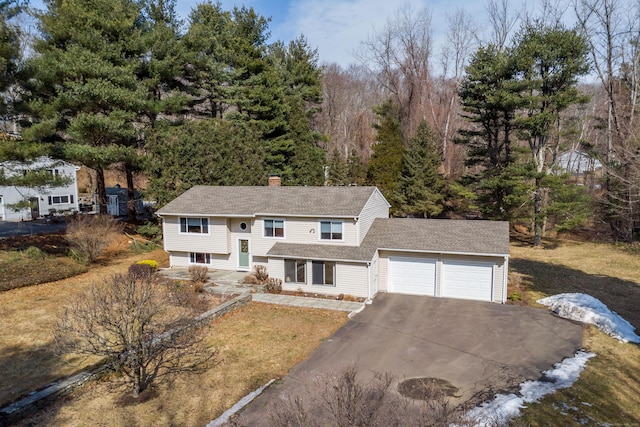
[{"x": 243, "y": 253}]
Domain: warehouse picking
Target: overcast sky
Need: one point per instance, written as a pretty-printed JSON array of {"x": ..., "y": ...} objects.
[{"x": 337, "y": 27}]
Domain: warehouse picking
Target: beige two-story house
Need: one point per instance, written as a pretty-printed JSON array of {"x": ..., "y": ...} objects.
[{"x": 336, "y": 240}]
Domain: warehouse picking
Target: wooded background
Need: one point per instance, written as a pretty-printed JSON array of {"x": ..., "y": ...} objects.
[{"x": 477, "y": 128}]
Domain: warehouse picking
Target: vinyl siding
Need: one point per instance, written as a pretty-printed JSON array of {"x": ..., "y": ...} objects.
[
  {"x": 376, "y": 207},
  {"x": 351, "y": 279},
  {"x": 216, "y": 242},
  {"x": 498, "y": 270},
  {"x": 298, "y": 230}
]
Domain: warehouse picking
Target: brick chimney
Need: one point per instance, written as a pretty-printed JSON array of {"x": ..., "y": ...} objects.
[{"x": 274, "y": 181}]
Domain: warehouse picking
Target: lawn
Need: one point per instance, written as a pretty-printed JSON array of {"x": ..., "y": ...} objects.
[
  {"x": 608, "y": 390},
  {"x": 27, "y": 361},
  {"x": 257, "y": 343}
]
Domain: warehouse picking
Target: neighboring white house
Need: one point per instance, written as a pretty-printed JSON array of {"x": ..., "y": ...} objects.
[
  {"x": 336, "y": 240},
  {"x": 45, "y": 200},
  {"x": 577, "y": 162}
]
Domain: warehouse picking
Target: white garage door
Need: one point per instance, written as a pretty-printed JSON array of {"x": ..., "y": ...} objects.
[
  {"x": 415, "y": 276},
  {"x": 467, "y": 280}
]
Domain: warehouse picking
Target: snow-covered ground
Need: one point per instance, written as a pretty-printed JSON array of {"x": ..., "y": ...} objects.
[
  {"x": 506, "y": 406},
  {"x": 587, "y": 309}
]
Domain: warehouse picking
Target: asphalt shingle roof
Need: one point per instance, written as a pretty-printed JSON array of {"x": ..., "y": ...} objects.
[
  {"x": 265, "y": 200},
  {"x": 440, "y": 235},
  {"x": 411, "y": 234}
]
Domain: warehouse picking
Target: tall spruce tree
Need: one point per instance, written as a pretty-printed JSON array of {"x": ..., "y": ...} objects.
[
  {"x": 386, "y": 160},
  {"x": 356, "y": 170},
  {"x": 337, "y": 173},
  {"x": 422, "y": 190}
]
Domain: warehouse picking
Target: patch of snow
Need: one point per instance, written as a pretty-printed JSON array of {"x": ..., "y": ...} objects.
[
  {"x": 506, "y": 406},
  {"x": 222, "y": 419},
  {"x": 587, "y": 309}
]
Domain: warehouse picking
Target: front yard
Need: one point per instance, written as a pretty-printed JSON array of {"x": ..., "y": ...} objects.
[
  {"x": 261, "y": 341},
  {"x": 608, "y": 391},
  {"x": 257, "y": 343}
]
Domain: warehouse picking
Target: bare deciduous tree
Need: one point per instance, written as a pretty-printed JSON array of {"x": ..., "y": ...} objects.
[
  {"x": 399, "y": 55},
  {"x": 134, "y": 321},
  {"x": 343, "y": 399},
  {"x": 612, "y": 29}
]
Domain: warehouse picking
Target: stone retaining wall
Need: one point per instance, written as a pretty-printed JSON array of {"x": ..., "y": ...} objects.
[{"x": 40, "y": 398}]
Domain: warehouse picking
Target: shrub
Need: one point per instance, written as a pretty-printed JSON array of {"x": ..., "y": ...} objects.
[
  {"x": 198, "y": 287},
  {"x": 198, "y": 273},
  {"x": 273, "y": 285},
  {"x": 515, "y": 296},
  {"x": 150, "y": 262},
  {"x": 90, "y": 235},
  {"x": 34, "y": 253},
  {"x": 250, "y": 279},
  {"x": 260, "y": 273},
  {"x": 142, "y": 247},
  {"x": 150, "y": 230},
  {"x": 140, "y": 270}
]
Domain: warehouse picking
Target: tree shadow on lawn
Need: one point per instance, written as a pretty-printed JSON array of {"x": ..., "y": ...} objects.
[
  {"x": 25, "y": 369},
  {"x": 619, "y": 295}
]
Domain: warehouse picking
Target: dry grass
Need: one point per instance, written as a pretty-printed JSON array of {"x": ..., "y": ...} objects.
[
  {"x": 608, "y": 390},
  {"x": 27, "y": 361},
  {"x": 601, "y": 270},
  {"x": 256, "y": 343}
]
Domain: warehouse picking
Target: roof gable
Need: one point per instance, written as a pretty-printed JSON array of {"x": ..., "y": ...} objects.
[{"x": 270, "y": 200}]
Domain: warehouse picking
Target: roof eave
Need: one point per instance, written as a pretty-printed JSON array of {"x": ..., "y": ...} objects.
[{"x": 496, "y": 255}]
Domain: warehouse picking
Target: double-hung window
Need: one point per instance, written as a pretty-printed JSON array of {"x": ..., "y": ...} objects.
[
  {"x": 295, "y": 271},
  {"x": 59, "y": 200},
  {"x": 199, "y": 258},
  {"x": 273, "y": 228},
  {"x": 330, "y": 230},
  {"x": 194, "y": 225},
  {"x": 324, "y": 273}
]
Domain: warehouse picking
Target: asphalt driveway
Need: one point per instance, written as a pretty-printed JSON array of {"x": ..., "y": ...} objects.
[
  {"x": 480, "y": 348},
  {"x": 25, "y": 228}
]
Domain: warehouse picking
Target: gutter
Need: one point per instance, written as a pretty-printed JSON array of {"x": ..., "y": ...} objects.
[{"x": 434, "y": 252}]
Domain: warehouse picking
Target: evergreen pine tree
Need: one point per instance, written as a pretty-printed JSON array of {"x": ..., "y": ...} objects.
[
  {"x": 386, "y": 161},
  {"x": 421, "y": 190},
  {"x": 338, "y": 174},
  {"x": 356, "y": 170}
]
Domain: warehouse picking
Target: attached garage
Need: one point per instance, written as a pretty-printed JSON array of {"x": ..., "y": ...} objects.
[
  {"x": 412, "y": 275},
  {"x": 467, "y": 280}
]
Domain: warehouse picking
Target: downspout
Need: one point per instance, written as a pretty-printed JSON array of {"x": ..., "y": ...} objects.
[
  {"x": 368, "y": 301},
  {"x": 356, "y": 219},
  {"x": 505, "y": 279}
]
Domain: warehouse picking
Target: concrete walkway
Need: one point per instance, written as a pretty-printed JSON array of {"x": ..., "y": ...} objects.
[
  {"x": 328, "y": 304},
  {"x": 230, "y": 283}
]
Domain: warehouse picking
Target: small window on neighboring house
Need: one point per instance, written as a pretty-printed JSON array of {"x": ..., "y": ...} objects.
[
  {"x": 273, "y": 228},
  {"x": 331, "y": 230},
  {"x": 194, "y": 225},
  {"x": 324, "y": 273},
  {"x": 199, "y": 258},
  {"x": 59, "y": 200},
  {"x": 295, "y": 271}
]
